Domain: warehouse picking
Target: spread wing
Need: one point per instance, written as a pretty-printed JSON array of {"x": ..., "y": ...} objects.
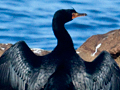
[
  {"x": 101, "y": 74},
  {"x": 106, "y": 73},
  {"x": 22, "y": 69}
]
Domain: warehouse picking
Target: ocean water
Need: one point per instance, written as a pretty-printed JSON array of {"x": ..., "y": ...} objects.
[{"x": 31, "y": 20}]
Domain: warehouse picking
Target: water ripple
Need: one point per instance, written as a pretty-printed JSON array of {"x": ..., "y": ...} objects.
[{"x": 31, "y": 21}]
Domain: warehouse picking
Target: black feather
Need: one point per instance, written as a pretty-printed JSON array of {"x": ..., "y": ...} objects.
[{"x": 62, "y": 69}]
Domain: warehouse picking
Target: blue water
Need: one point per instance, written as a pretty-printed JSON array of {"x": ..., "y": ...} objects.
[{"x": 30, "y": 20}]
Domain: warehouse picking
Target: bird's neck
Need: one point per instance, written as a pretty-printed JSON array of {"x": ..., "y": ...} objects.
[{"x": 63, "y": 37}]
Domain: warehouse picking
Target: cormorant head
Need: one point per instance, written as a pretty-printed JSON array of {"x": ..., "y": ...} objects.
[{"x": 65, "y": 15}]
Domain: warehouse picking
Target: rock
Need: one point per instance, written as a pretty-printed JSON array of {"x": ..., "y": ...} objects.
[
  {"x": 4, "y": 47},
  {"x": 40, "y": 52},
  {"x": 97, "y": 43},
  {"x": 37, "y": 51}
]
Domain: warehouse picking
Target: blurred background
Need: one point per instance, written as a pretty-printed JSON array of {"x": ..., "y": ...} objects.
[{"x": 31, "y": 20}]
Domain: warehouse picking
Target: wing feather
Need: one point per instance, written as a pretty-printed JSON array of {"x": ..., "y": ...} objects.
[
  {"x": 15, "y": 67},
  {"x": 105, "y": 72},
  {"x": 101, "y": 74},
  {"x": 22, "y": 69}
]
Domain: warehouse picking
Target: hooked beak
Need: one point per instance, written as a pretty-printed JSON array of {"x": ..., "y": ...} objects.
[{"x": 74, "y": 15}]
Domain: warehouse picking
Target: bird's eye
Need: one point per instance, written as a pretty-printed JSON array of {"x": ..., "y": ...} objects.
[{"x": 73, "y": 14}]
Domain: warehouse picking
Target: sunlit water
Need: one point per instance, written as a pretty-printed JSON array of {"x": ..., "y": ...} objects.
[{"x": 30, "y": 20}]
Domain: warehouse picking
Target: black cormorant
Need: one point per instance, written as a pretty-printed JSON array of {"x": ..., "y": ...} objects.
[{"x": 62, "y": 69}]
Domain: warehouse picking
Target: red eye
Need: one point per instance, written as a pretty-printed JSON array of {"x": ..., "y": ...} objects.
[{"x": 73, "y": 14}]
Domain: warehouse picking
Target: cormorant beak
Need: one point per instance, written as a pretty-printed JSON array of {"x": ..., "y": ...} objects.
[{"x": 74, "y": 15}]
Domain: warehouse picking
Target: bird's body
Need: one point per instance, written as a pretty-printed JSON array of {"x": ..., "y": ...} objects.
[
  {"x": 62, "y": 69},
  {"x": 101, "y": 74}
]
